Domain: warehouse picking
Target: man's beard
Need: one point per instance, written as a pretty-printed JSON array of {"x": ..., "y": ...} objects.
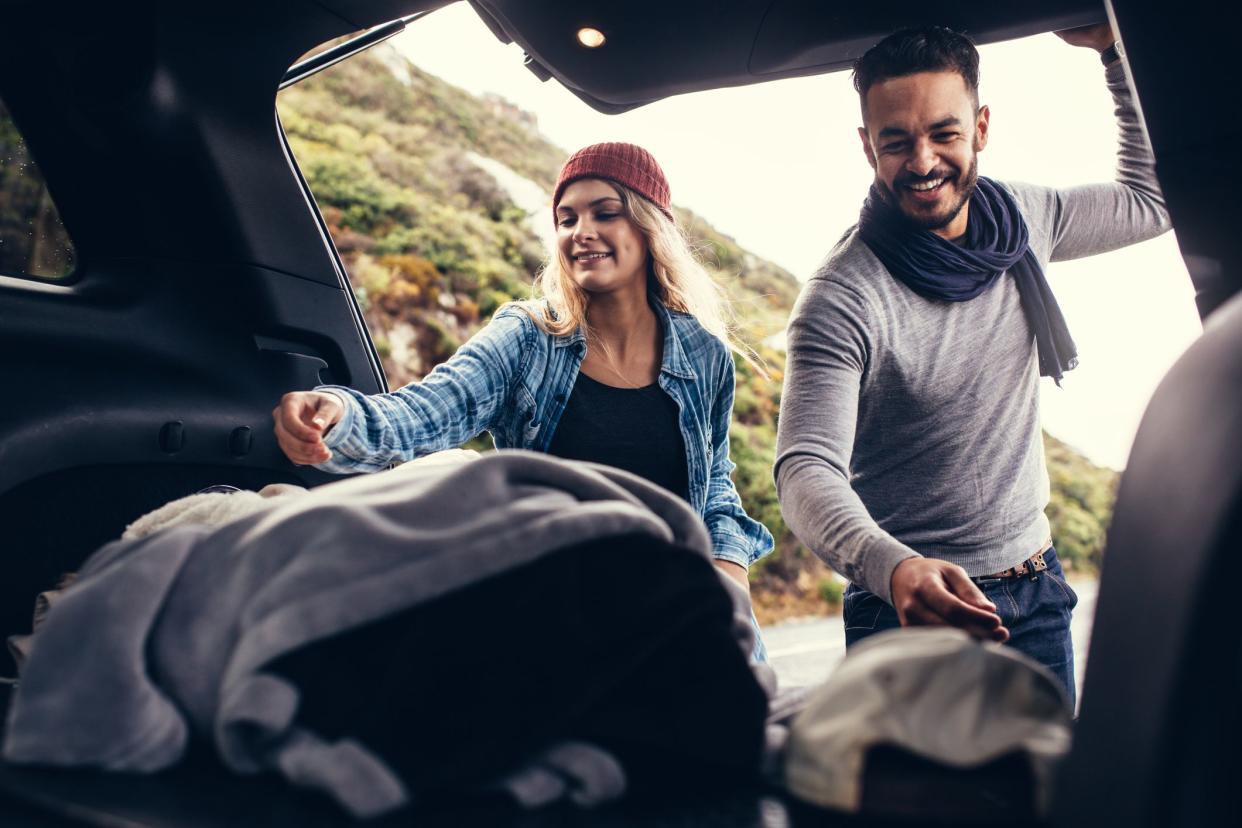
[{"x": 934, "y": 221}]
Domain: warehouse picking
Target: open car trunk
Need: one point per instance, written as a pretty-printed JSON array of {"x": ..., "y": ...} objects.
[{"x": 207, "y": 286}]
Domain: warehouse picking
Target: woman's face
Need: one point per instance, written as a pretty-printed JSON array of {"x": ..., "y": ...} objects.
[{"x": 604, "y": 250}]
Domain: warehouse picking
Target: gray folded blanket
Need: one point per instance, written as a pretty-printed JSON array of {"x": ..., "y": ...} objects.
[{"x": 170, "y": 632}]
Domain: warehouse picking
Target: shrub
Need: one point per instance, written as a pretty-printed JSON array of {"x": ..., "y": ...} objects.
[
  {"x": 490, "y": 302},
  {"x": 832, "y": 591}
]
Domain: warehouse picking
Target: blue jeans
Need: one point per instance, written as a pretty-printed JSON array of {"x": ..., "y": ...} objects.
[{"x": 1036, "y": 609}]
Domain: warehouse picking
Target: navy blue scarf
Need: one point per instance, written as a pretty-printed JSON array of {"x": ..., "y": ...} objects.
[{"x": 996, "y": 241}]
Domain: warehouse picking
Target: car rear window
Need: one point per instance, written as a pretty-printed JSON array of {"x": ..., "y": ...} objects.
[{"x": 33, "y": 241}]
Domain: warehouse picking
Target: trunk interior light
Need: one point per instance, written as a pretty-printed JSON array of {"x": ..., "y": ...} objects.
[{"x": 591, "y": 38}]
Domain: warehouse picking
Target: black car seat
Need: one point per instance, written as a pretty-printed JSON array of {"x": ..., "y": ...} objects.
[{"x": 1160, "y": 734}]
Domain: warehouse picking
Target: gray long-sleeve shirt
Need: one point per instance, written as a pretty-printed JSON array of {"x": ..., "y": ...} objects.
[{"x": 910, "y": 425}]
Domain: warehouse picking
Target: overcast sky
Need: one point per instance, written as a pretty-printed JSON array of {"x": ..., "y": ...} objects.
[{"x": 779, "y": 167}]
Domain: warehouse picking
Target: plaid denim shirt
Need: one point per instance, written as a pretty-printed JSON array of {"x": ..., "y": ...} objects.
[{"x": 512, "y": 379}]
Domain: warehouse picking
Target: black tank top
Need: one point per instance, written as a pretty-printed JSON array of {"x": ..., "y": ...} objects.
[{"x": 635, "y": 429}]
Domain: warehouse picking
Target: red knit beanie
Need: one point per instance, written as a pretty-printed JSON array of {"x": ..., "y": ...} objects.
[{"x": 626, "y": 164}]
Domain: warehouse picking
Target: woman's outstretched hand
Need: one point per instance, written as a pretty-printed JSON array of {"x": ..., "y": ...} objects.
[{"x": 302, "y": 419}]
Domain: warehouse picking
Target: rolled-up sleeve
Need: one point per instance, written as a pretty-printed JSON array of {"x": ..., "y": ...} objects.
[{"x": 736, "y": 536}]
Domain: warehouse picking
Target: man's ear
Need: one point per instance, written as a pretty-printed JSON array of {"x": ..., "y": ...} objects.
[
  {"x": 867, "y": 150},
  {"x": 981, "y": 127}
]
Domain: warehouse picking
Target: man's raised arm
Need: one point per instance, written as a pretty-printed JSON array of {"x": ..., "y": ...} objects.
[{"x": 1097, "y": 218}]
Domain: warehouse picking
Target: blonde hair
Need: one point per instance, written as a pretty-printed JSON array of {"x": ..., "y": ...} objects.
[{"x": 674, "y": 276}]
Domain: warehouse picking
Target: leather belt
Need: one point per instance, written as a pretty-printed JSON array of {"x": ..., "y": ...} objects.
[{"x": 1035, "y": 563}]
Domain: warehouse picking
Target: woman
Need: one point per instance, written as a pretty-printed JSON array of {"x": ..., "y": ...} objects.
[{"x": 626, "y": 361}]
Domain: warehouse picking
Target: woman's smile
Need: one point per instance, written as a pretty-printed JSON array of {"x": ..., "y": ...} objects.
[{"x": 603, "y": 249}]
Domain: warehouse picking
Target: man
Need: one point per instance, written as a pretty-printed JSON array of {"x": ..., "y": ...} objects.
[{"x": 909, "y": 453}]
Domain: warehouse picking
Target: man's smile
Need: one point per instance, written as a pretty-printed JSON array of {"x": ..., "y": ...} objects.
[{"x": 926, "y": 189}]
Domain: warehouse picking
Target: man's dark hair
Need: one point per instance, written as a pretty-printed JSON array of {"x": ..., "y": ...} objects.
[{"x": 918, "y": 49}]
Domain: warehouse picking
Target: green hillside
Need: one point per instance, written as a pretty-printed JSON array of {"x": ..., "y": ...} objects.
[{"x": 434, "y": 244}]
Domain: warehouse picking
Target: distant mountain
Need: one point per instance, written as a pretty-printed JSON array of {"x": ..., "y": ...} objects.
[{"x": 434, "y": 198}]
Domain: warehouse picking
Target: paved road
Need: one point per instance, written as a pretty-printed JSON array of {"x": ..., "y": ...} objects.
[{"x": 805, "y": 652}]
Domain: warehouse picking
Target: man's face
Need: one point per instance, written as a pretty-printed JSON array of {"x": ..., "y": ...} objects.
[{"x": 922, "y": 137}]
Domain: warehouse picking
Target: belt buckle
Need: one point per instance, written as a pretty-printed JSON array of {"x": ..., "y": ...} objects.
[
  {"x": 1030, "y": 566},
  {"x": 1038, "y": 562}
]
